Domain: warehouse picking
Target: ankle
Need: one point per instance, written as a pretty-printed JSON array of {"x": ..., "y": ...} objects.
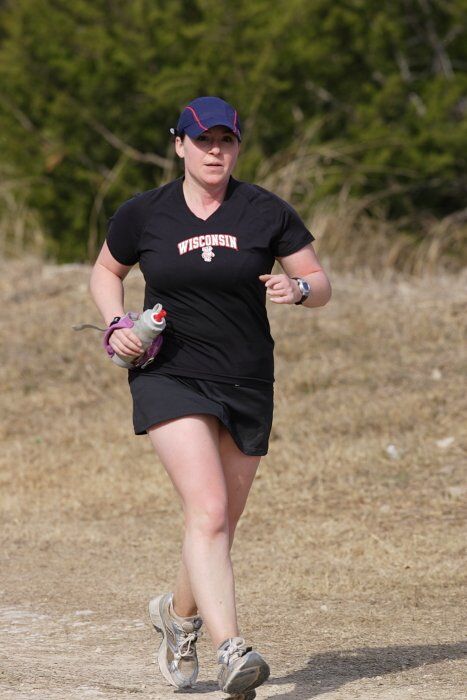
[{"x": 182, "y": 613}]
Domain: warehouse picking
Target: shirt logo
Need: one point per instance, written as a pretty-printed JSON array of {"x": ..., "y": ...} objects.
[
  {"x": 206, "y": 244},
  {"x": 208, "y": 253}
]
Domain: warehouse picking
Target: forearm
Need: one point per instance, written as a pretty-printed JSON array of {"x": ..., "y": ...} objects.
[
  {"x": 107, "y": 292},
  {"x": 320, "y": 289}
]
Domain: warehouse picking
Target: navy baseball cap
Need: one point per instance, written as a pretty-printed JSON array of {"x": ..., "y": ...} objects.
[{"x": 202, "y": 113}]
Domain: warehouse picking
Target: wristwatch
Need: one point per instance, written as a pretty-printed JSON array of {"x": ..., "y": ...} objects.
[
  {"x": 305, "y": 289},
  {"x": 115, "y": 319}
]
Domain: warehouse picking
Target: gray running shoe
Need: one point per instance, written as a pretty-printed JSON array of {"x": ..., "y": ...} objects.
[
  {"x": 242, "y": 669},
  {"x": 177, "y": 656}
]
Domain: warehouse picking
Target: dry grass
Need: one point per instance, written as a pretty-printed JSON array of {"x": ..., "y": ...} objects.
[
  {"x": 20, "y": 230},
  {"x": 349, "y": 557},
  {"x": 354, "y": 229}
]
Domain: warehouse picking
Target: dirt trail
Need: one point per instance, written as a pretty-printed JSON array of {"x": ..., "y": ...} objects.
[{"x": 350, "y": 555}]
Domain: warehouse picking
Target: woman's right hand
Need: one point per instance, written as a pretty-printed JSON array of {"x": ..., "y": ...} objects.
[{"x": 126, "y": 343}]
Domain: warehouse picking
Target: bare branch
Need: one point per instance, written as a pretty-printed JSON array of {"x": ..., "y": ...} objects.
[
  {"x": 45, "y": 142},
  {"x": 452, "y": 34},
  {"x": 442, "y": 61},
  {"x": 125, "y": 148},
  {"x": 19, "y": 115},
  {"x": 418, "y": 104},
  {"x": 404, "y": 68},
  {"x": 99, "y": 201}
]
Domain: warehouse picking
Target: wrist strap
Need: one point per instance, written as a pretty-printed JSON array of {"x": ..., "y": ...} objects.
[{"x": 127, "y": 321}]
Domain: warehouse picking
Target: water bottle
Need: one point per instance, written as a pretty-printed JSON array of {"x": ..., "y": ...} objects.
[{"x": 147, "y": 327}]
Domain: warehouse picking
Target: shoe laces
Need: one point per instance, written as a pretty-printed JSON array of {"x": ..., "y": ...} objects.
[
  {"x": 236, "y": 647},
  {"x": 186, "y": 641}
]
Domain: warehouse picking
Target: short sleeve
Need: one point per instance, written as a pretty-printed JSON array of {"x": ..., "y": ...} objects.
[
  {"x": 293, "y": 234},
  {"x": 124, "y": 231}
]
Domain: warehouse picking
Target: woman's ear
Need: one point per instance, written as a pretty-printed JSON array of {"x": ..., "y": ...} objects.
[{"x": 179, "y": 150}]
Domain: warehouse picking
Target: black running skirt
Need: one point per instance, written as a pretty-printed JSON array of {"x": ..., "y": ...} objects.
[{"x": 245, "y": 411}]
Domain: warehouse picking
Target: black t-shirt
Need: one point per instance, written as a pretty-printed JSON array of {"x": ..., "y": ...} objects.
[{"x": 205, "y": 274}]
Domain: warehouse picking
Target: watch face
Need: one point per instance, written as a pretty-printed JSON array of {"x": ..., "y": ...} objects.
[{"x": 304, "y": 287}]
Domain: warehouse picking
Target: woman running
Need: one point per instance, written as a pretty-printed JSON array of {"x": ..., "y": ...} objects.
[{"x": 206, "y": 244}]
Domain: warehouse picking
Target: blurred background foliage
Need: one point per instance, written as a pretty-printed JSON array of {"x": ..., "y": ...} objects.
[{"x": 354, "y": 111}]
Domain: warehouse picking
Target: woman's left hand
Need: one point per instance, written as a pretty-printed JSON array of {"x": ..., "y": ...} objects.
[{"x": 281, "y": 288}]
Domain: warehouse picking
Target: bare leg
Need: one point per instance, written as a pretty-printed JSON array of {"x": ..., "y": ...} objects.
[
  {"x": 239, "y": 471},
  {"x": 184, "y": 603},
  {"x": 189, "y": 450}
]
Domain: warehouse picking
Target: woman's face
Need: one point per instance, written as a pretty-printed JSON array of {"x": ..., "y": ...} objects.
[{"x": 210, "y": 157}]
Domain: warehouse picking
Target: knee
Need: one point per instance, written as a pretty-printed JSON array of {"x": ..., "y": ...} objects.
[{"x": 208, "y": 519}]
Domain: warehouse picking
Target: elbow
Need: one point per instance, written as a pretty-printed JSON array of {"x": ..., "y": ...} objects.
[{"x": 323, "y": 294}]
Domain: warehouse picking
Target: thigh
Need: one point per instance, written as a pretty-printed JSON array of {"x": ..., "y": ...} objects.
[
  {"x": 188, "y": 448},
  {"x": 239, "y": 471}
]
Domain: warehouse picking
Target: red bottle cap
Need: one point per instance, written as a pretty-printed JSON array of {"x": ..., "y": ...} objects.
[{"x": 159, "y": 316}]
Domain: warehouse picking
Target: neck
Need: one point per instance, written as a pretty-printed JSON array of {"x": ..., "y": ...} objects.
[{"x": 204, "y": 196}]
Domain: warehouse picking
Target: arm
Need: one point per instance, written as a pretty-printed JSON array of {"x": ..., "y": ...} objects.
[
  {"x": 106, "y": 287},
  {"x": 106, "y": 284},
  {"x": 304, "y": 263}
]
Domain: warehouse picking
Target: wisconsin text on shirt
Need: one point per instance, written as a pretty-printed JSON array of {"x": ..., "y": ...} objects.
[{"x": 220, "y": 239}]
